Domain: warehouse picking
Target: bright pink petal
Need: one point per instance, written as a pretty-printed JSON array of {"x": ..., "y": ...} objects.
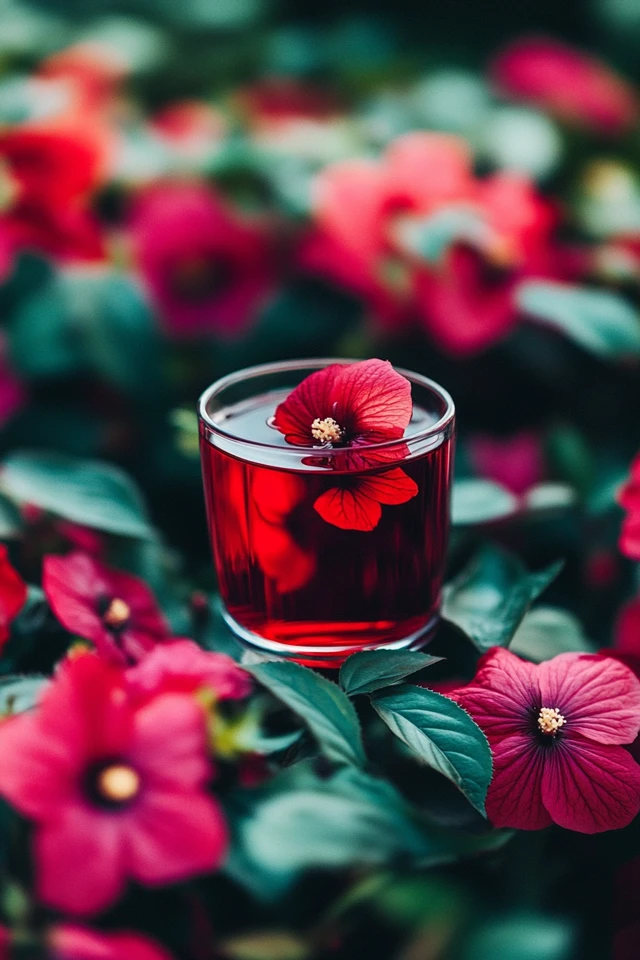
[
  {"x": 370, "y": 396},
  {"x": 13, "y": 593},
  {"x": 181, "y": 666},
  {"x": 174, "y": 836},
  {"x": 599, "y": 697},
  {"x": 35, "y": 769},
  {"x": 169, "y": 746},
  {"x": 348, "y": 509},
  {"x": 390, "y": 487},
  {"x": 630, "y": 537},
  {"x": 514, "y": 798},
  {"x": 310, "y": 400},
  {"x": 422, "y": 170},
  {"x": 72, "y": 585},
  {"x": 590, "y": 787},
  {"x": 80, "y": 867},
  {"x": 349, "y": 204}
]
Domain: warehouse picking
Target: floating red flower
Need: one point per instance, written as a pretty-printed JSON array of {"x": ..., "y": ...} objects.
[
  {"x": 72, "y": 942},
  {"x": 629, "y": 499},
  {"x": 13, "y": 593},
  {"x": 181, "y": 666},
  {"x": 499, "y": 229},
  {"x": 115, "y": 610},
  {"x": 207, "y": 270},
  {"x": 567, "y": 82},
  {"x": 117, "y": 790},
  {"x": 555, "y": 732},
  {"x": 351, "y": 406}
]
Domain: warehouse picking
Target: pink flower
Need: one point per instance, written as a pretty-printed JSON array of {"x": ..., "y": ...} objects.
[
  {"x": 181, "y": 666},
  {"x": 115, "y": 610},
  {"x": 13, "y": 594},
  {"x": 517, "y": 462},
  {"x": 350, "y": 406},
  {"x": 207, "y": 270},
  {"x": 67, "y": 942},
  {"x": 629, "y": 500},
  {"x": 567, "y": 82},
  {"x": 555, "y": 731},
  {"x": 627, "y": 630},
  {"x": 116, "y": 790}
]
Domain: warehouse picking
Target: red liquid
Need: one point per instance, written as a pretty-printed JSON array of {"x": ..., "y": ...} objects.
[{"x": 289, "y": 576}]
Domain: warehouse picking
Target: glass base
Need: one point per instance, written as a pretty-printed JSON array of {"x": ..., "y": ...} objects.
[{"x": 324, "y": 656}]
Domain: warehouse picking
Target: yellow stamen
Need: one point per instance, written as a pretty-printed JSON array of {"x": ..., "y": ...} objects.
[
  {"x": 117, "y": 613},
  {"x": 118, "y": 783},
  {"x": 550, "y": 720},
  {"x": 327, "y": 430}
]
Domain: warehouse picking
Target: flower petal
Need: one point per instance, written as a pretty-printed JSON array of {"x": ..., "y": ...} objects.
[
  {"x": 515, "y": 793},
  {"x": 498, "y": 712},
  {"x": 79, "y": 860},
  {"x": 598, "y": 696},
  {"x": 310, "y": 400},
  {"x": 370, "y": 396},
  {"x": 348, "y": 509},
  {"x": 349, "y": 205},
  {"x": 175, "y": 835},
  {"x": 590, "y": 787},
  {"x": 390, "y": 487},
  {"x": 35, "y": 770},
  {"x": 425, "y": 169},
  {"x": 504, "y": 672},
  {"x": 170, "y": 742}
]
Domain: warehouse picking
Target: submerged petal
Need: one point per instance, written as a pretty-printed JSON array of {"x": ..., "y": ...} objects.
[
  {"x": 348, "y": 509},
  {"x": 390, "y": 487}
]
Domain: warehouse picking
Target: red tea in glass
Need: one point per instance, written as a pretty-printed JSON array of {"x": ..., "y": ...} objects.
[{"x": 294, "y": 583}]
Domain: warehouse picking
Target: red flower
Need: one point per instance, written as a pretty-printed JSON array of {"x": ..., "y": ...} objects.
[
  {"x": 207, "y": 271},
  {"x": 370, "y": 213},
  {"x": 350, "y": 406},
  {"x": 629, "y": 499},
  {"x": 627, "y": 630},
  {"x": 517, "y": 462},
  {"x": 13, "y": 594},
  {"x": 555, "y": 732},
  {"x": 67, "y": 942},
  {"x": 181, "y": 666},
  {"x": 115, "y": 610},
  {"x": 567, "y": 82},
  {"x": 116, "y": 789}
]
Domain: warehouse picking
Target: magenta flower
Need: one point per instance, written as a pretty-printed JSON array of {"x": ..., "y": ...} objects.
[
  {"x": 517, "y": 462},
  {"x": 206, "y": 269},
  {"x": 181, "y": 666},
  {"x": 556, "y": 732},
  {"x": 72, "y": 942},
  {"x": 13, "y": 594},
  {"x": 116, "y": 789},
  {"x": 115, "y": 610},
  {"x": 629, "y": 500}
]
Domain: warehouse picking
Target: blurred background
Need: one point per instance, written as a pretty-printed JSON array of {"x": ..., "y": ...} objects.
[{"x": 188, "y": 187}]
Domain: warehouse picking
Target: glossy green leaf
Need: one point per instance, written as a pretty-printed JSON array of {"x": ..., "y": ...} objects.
[
  {"x": 10, "y": 519},
  {"x": 522, "y": 937},
  {"x": 488, "y": 600},
  {"x": 480, "y": 501},
  {"x": 370, "y": 670},
  {"x": 88, "y": 492},
  {"x": 442, "y": 735},
  {"x": 548, "y": 631},
  {"x": 598, "y": 320},
  {"x": 321, "y": 704}
]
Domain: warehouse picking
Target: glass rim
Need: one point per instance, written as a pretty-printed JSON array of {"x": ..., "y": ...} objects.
[{"x": 283, "y": 366}]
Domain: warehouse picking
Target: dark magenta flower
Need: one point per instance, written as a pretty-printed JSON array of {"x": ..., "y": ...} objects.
[
  {"x": 114, "y": 610},
  {"x": 13, "y": 594},
  {"x": 73, "y": 942},
  {"x": 116, "y": 789},
  {"x": 207, "y": 270},
  {"x": 629, "y": 500},
  {"x": 517, "y": 461},
  {"x": 349, "y": 406},
  {"x": 556, "y": 732},
  {"x": 181, "y": 666},
  {"x": 573, "y": 85}
]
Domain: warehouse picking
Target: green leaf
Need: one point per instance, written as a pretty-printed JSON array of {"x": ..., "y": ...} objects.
[
  {"x": 522, "y": 937},
  {"x": 481, "y": 501},
  {"x": 442, "y": 734},
  {"x": 10, "y": 520},
  {"x": 370, "y": 670},
  {"x": 432, "y": 236},
  {"x": 548, "y": 631},
  {"x": 18, "y": 694},
  {"x": 548, "y": 497},
  {"x": 88, "y": 492},
  {"x": 598, "y": 320},
  {"x": 488, "y": 600},
  {"x": 321, "y": 704}
]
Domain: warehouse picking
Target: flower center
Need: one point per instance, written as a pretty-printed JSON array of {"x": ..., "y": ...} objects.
[
  {"x": 118, "y": 783},
  {"x": 327, "y": 430},
  {"x": 550, "y": 720},
  {"x": 117, "y": 613}
]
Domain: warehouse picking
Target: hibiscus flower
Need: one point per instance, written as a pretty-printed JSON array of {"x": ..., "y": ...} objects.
[
  {"x": 116, "y": 789},
  {"x": 555, "y": 731},
  {"x": 73, "y": 942},
  {"x": 349, "y": 407},
  {"x": 629, "y": 500},
  {"x": 207, "y": 270},
  {"x": 115, "y": 610},
  {"x": 567, "y": 82},
  {"x": 13, "y": 594},
  {"x": 517, "y": 461},
  {"x": 181, "y": 666}
]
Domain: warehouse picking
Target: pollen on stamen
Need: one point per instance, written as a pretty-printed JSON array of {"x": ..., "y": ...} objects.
[
  {"x": 117, "y": 613},
  {"x": 118, "y": 783},
  {"x": 327, "y": 430},
  {"x": 550, "y": 720}
]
